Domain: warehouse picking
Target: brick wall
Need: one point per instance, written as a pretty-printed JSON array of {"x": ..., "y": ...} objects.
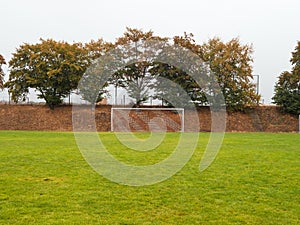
[{"x": 40, "y": 117}]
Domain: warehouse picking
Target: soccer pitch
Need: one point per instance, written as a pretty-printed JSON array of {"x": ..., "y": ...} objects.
[{"x": 255, "y": 179}]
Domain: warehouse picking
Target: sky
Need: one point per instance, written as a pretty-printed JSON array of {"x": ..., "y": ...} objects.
[{"x": 271, "y": 27}]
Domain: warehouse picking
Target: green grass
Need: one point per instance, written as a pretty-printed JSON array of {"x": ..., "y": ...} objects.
[{"x": 255, "y": 179}]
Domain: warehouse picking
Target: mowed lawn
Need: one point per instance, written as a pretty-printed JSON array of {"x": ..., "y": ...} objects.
[{"x": 255, "y": 179}]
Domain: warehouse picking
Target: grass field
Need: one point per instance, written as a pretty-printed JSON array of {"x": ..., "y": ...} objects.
[{"x": 255, "y": 179}]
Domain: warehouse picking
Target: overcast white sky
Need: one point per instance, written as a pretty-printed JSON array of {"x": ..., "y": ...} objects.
[{"x": 273, "y": 27}]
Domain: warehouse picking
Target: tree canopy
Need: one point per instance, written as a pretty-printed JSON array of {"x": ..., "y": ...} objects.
[
  {"x": 231, "y": 64},
  {"x": 287, "y": 88},
  {"x": 52, "y": 68},
  {"x": 180, "y": 80},
  {"x": 89, "y": 86},
  {"x": 136, "y": 77}
]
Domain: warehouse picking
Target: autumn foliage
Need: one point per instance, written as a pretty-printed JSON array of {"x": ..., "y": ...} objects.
[{"x": 54, "y": 68}]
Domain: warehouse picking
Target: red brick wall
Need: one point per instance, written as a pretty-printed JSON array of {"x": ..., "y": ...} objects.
[{"x": 39, "y": 117}]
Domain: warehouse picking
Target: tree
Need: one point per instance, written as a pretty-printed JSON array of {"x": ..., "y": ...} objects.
[
  {"x": 178, "y": 80},
  {"x": 174, "y": 85},
  {"x": 2, "y": 62},
  {"x": 231, "y": 64},
  {"x": 52, "y": 68},
  {"x": 287, "y": 88},
  {"x": 95, "y": 49},
  {"x": 89, "y": 85},
  {"x": 136, "y": 78}
]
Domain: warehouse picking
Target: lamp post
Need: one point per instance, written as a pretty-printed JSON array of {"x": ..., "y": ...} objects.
[
  {"x": 8, "y": 97},
  {"x": 257, "y": 85},
  {"x": 116, "y": 93}
]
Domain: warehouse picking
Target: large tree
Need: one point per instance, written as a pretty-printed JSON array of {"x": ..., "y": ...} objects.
[
  {"x": 90, "y": 89},
  {"x": 178, "y": 81},
  {"x": 2, "y": 62},
  {"x": 231, "y": 63},
  {"x": 52, "y": 68},
  {"x": 231, "y": 66},
  {"x": 135, "y": 77},
  {"x": 287, "y": 88}
]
